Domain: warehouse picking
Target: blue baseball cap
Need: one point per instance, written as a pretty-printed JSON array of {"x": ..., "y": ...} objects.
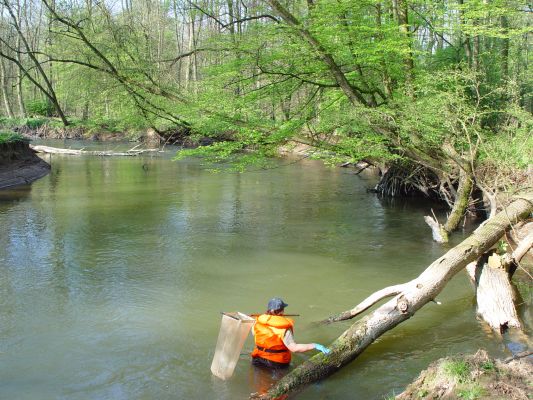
[{"x": 276, "y": 304}]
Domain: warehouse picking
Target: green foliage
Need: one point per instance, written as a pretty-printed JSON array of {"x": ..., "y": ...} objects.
[
  {"x": 34, "y": 123},
  {"x": 428, "y": 99},
  {"x": 488, "y": 365},
  {"x": 230, "y": 156},
  {"x": 217, "y": 152},
  {"x": 39, "y": 107},
  {"x": 10, "y": 137},
  {"x": 9, "y": 123},
  {"x": 457, "y": 369},
  {"x": 502, "y": 247},
  {"x": 512, "y": 145},
  {"x": 473, "y": 392}
]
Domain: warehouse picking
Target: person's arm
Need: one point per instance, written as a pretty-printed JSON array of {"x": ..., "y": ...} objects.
[{"x": 294, "y": 347}]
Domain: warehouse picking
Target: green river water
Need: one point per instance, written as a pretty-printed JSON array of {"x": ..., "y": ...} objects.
[{"x": 114, "y": 271}]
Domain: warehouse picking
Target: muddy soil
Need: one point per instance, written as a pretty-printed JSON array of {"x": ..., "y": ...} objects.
[{"x": 473, "y": 377}]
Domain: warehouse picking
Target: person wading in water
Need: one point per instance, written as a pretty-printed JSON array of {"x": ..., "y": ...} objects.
[{"x": 274, "y": 340}]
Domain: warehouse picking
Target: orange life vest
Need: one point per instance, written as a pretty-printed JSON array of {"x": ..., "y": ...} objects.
[{"x": 269, "y": 331}]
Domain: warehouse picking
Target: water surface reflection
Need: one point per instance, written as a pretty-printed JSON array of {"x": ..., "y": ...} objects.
[{"x": 113, "y": 272}]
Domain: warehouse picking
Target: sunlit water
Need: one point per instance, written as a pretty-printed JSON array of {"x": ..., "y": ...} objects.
[{"x": 114, "y": 271}]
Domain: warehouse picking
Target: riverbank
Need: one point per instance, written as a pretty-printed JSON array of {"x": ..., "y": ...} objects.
[
  {"x": 473, "y": 377},
  {"x": 19, "y": 165},
  {"x": 101, "y": 130}
]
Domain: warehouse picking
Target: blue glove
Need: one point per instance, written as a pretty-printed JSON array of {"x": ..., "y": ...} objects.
[{"x": 321, "y": 348}]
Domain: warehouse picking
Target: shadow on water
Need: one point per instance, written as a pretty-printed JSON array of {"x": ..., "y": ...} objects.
[
  {"x": 259, "y": 380},
  {"x": 14, "y": 194},
  {"x": 262, "y": 379}
]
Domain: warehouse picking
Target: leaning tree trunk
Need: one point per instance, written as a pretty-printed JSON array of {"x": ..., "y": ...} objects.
[
  {"x": 409, "y": 297},
  {"x": 460, "y": 205}
]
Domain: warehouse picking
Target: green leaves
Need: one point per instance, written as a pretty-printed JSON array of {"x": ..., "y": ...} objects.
[
  {"x": 356, "y": 79},
  {"x": 10, "y": 137}
]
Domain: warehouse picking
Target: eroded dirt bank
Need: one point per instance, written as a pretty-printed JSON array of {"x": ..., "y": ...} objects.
[{"x": 19, "y": 165}]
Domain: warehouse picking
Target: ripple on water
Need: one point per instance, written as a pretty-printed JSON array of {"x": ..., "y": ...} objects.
[{"x": 112, "y": 278}]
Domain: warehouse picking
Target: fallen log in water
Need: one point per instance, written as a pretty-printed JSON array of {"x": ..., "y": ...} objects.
[
  {"x": 54, "y": 150},
  {"x": 408, "y": 298}
]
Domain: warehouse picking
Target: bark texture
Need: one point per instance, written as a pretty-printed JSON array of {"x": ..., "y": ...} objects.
[
  {"x": 411, "y": 297},
  {"x": 441, "y": 232},
  {"x": 495, "y": 294},
  {"x": 460, "y": 204}
]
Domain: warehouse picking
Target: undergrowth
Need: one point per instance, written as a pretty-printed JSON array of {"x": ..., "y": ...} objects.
[{"x": 10, "y": 137}]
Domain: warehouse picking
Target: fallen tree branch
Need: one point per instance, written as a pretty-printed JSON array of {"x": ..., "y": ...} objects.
[
  {"x": 437, "y": 230},
  {"x": 55, "y": 150},
  {"x": 367, "y": 303},
  {"x": 521, "y": 250},
  {"x": 415, "y": 294}
]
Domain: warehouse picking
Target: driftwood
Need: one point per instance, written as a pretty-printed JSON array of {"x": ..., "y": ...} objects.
[
  {"x": 495, "y": 295},
  {"x": 437, "y": 230},
  {"x": 54, "y": 150},
  {"x": 408, "y": 298}
]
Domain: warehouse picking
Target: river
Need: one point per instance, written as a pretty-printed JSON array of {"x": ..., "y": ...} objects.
[{"x": 114, "y": 271}]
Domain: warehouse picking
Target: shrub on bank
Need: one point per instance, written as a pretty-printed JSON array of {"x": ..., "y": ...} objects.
[
  {"x": 31, "y": 122},
  {"x": 40, "y": 107}
]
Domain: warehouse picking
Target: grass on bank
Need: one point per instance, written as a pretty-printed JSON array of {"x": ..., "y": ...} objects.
[
  {"x": 10, "y": 137},
  {"x": 471, "y": 377}
]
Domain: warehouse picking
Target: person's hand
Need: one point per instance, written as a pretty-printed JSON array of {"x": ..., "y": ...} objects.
[{"x": 321, "y": 348}]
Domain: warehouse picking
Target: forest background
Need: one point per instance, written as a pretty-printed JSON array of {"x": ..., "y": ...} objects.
[{"x": 436, "y": 94}]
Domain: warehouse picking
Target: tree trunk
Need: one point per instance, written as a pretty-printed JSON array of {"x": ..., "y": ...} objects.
[
  {"x": 385, "y": 77},
  {"x": 495, "y": 294},
  {"x": 460, "y": 205},
  {"x": 409, "y": 298},
  {"x": 179, "y": 39},
  {"x": 47, "y": 89},
  {"x": 466, "y": 41},
  {"x": 403, "y": 24},
  {"x": 505, "y": 48},
  {"x": 3, "y": 88},
  {"x": 20, "y": 75}
]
